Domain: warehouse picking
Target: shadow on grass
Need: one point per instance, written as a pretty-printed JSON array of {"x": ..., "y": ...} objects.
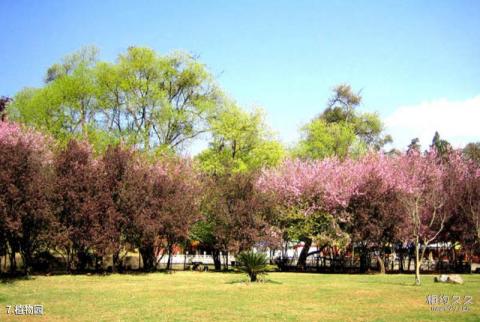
[
  {"x": 230, "y": 271},
  {"x": 247, "y": 282},
  {"x": 13, "y": 279}
]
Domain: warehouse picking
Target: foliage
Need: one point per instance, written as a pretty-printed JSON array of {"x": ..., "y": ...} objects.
[
  {"x": 442, "y": 147},
  {"x": 143, "y": 99},
  {"x": 236, "y": 216},
  {"x": 115, "y": 166},
  {"x": 472, "y": 151},
  {"x": 323, "y": 139},
  {"x": 83, "y": 209},
  {"x": 252, "y": 263},
  {"x": 240, "y": 143},
  {"x": 374, "y": 221},
  {"x": 176, "y": 197},
  {"x": 341, "y": 130},
  {"x": 376, "y": 199},
  {"x": 25, "y": 210},
  {"x": 463, "y": 183},
  {"x": 93, "y": 205},
  {"x": 160, "y": 202},
  {"x": 421, "y": 182}
]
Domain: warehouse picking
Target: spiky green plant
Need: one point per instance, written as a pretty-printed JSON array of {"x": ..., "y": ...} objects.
[{"x": 253, "y": 264}]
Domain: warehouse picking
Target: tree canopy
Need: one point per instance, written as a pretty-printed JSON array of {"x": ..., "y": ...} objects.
[
  {"x": 144, "y": 99},
  {"x": 341, "y": 130},
  {"x": 240, "y": 142}
]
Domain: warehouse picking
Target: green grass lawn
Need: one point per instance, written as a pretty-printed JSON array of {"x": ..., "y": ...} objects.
[{"x": 195, "y": 296}]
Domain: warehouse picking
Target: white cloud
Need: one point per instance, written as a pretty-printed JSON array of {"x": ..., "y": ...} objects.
[{"x": 457, "y": 122}]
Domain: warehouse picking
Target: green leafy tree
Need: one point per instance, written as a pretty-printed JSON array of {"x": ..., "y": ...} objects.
[
  {"x": 472, "y": 151},
  {"x": 414, "y": 145},
  {"x": 240, "y": 143},
  {"x": 442, "y": 147},
  {"x": 341, "y": 130},
  {"x": 143, "y": 99},
  {"x": 235, "y": 216},
  {"x": 323, "y": 139}
]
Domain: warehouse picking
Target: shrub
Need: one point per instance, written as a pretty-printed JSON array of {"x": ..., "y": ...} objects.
[{"x": 253, "y": 264}]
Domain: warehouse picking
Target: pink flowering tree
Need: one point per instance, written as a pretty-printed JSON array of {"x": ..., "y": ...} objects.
[
  {"x": 421, "y": 182},
  {"x": 25, "y": 209},
  {"x": 471, "y": 198},
  {"x": 175, "y": 201},
  {"x": 312, "y": 197},
  {"x": 463, "y": 188},
  {"x": 160, "y": 203},
  {"x": 373, "y": 209},
  {"x": 82, "y": 205}
]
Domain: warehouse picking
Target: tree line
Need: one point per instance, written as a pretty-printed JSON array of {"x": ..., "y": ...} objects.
[
  {"x": 79, "y": 205},
  {"x": 92, "y": 166}
]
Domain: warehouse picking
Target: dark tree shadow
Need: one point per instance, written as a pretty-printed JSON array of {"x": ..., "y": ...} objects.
[
  {"x": 13, "y": 279},
  {"x": 260, "y": 281}
]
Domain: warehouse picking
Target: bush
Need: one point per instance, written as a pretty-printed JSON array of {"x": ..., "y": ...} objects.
[{"x": 253, "y": 264}]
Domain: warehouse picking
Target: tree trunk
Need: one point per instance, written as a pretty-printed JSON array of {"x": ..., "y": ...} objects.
[
  {"x": 253, "y": 277},
  {"x": 13, "y": 263},
  {"x": 226, "y": 260},
  {"x": 353, "y": 256},
  {"x": 400, "y": 265},
  {"x": 381, "y": 264},
  {"x": 302, "y": 259},
  {"x": 116, "y": 262},
  {"x": 417, "y": 262},
  {"x": 68, "y": 260},
  {"x": 454, "y": 259},
  {"x": 363, "y": 259},
  {"x": 169, "y": 259},
  {"x": 82, "y": 257},
  {"x": 27, "y": 262},
  {"x": 5, "y": 263},
  {"x": 148, "y": 257},
  {"x": 216, "y": 260}
]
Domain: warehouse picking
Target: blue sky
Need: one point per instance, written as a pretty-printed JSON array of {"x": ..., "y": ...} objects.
[{"x": 416, "y": 62}]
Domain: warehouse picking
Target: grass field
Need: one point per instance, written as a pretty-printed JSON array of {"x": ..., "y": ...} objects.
[{"x": 194, "y": 296}]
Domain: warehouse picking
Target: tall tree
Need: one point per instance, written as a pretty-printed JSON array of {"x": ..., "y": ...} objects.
[
  {"x": 472, "y": 151},
  {"x": 374, "y": 221},
  {"x": 116, "y": 163},
  {"x": 341, "y": 130},
  {"x": 144, "y": 99},
  {"x": 322, "y": 139},
  {"x": 442, "y": 147},
  {"x": 82, "y": 204},
  {"x": 240, "y": 142},
  {"x": 161, "y": 203},
  {"x": 421, "y": 182},
  {"x": 236, "y": 215},
  {"x": 414, "y": 145},
  {"x": 464, "y": 196},
  {"x": 312, "y": 194},
  {"x": 240, "y": 145},
  {"x": 25, "y": 186},
  {"x": 175, "y": 200}
]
